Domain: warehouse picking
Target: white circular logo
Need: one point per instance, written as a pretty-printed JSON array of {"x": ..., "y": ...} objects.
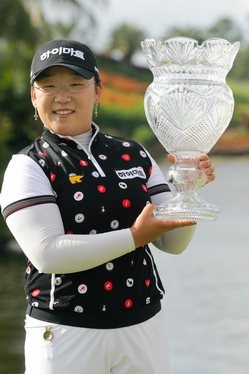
[
  {"x": 102, "y": 157},
  {"x": 79, "y": 218},
  {"x": 126, "y": 144},
  {"x": 78, "y": 196},
  {"x": 114, "y": 224},
  {"x": 109, "y": 266},
  {"x": 143, "y": 154},
  {"x": 82, "y": 288},
  {"x": 78, "y": 309},
  {"x": 129, "y": 282},
  {"x": 58, "y": 281},
  {"x": 95, "y": 174},
  {"x": 93, "y": 232},
  {"x": 45, "y": 145},
  {"x": 64, "y": 154},
  {"x": 42, "y": 163},
  {"x": 122, "y": 185}
]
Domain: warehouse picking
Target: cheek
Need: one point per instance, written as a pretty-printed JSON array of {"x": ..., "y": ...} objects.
[
  {"x": 43, "y": 103},
  {"x": 44, "y": 109},
  {"x": 94, "y": 97},
  {"x": 89, "y": 101}
]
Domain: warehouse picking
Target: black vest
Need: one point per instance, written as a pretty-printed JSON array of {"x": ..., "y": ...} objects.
[{"x": 96, "y": 194}]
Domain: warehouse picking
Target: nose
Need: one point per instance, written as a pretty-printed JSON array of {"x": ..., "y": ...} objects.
[{"x": 62, "y": 94}]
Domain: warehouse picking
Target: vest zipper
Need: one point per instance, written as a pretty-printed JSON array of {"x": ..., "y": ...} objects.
[
  {"x": 89, "y": 152},
  {"x": 90, "y": 155},
  {"x": 96, "y": 164}
]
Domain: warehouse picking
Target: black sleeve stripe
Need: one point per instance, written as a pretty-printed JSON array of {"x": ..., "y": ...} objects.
[
  {"x": 158, "y": 189},
  {"x": 18, "y": 205}
]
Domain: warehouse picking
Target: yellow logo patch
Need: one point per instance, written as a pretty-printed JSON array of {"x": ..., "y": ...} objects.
[{"x": 75, "y": 178}]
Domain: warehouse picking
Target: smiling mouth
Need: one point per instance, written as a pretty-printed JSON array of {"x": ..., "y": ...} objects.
[{"x": 63, "y": 112}]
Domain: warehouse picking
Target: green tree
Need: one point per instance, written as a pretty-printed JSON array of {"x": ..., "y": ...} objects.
[
  {"x": 225, "y": 28},
  {"x": 15, "y": 22},
  {"x": 240, "y": 70},
  {"x": 187, "y": 32},
  {"x": 67, "y": 18},
  {"x": 126, "y": 39},
  {"x": 24, "y": 24}
]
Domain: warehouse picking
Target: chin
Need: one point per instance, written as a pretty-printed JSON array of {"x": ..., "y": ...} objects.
[{"x": 61, "y": 129}]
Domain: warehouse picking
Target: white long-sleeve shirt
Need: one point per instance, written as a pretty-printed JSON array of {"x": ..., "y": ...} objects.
[{"x": 39, "y": 229}]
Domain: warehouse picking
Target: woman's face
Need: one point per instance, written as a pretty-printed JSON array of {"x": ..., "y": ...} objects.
[{"x": 65, "y": 100}]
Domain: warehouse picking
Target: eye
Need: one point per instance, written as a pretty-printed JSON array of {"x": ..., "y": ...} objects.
[{"x": 76, "y": 84}]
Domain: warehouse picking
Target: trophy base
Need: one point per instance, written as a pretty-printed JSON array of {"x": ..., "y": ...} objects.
[{"x": 192, "y": 209}]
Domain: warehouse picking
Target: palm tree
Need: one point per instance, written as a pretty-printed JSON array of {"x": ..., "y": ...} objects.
[
  {"x": 63, "y": 16},
  {"x": 227, "y": 29},
  {"x": 23, "y": 25},
  {"x": 187, "y": 32},
  {"x": 126, "y": 38},
  {"x": 15, "y": 22}
]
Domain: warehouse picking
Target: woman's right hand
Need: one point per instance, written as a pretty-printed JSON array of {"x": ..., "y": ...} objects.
[{"x": 147, "y": 228}]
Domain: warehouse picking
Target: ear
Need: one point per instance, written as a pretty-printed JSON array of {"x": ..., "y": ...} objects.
[
  {"x": 33, "y": 97},
  {"x": 98, "y": 92}
]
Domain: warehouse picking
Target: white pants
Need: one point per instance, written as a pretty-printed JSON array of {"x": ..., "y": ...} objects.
[{"x": 138, "y": 349}]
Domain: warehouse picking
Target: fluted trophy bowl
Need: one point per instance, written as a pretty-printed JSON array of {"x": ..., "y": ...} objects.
[{"x": 188, "y": 106}]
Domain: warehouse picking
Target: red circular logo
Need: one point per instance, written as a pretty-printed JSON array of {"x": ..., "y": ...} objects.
[
  {"x": 101, "y": 189},
  {"x": 36, "y": 292},
  {"x": 128, "y": 303},
  {"x": 147, "y": 282},
  {"x": 41, "y": 153},
  {"x": 144, "y": 187},
  {"x": 83, "y": 163},
  {"x": 52, "y": 176},
  {"x": 126, "y": 203},
  {"x": 126, "y": 157},
  {"x": 108, "y": 286}
]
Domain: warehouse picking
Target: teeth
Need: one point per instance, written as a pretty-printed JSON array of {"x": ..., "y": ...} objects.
[{"x": 63, "y": 112}]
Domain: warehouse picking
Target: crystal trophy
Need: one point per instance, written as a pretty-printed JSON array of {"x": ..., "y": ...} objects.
[{"x": 188, "y": 107}]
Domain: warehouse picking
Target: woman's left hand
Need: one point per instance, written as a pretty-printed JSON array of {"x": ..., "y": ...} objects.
[{"x": 204, "y": 163}]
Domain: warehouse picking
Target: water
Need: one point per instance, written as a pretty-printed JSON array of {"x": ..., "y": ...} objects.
[{"x": 207, "y": 288}]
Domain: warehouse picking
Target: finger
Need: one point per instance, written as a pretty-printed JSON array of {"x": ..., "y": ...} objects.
[
  {"x": 184, "y": 222},
  {"x": 202, "y": 157},
  {"x": 171, "y": 158},
  {"x": 172, "y": 224},
  {"x": 210, "y": 177},
  {"x": 207, "y": 168},
  {"x": 209, "y": 171},
  {"x": 148, "y": 209},
  {"x": 202, "y": 164}
]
